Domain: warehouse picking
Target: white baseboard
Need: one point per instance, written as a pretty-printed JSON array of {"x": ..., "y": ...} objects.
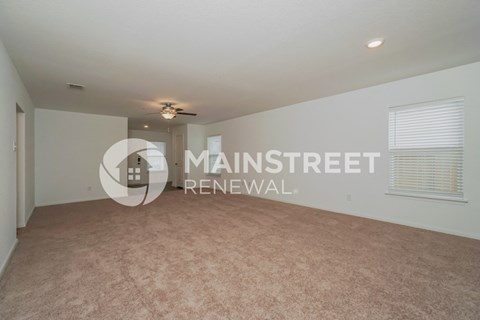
[
  {"x": 388, "y": 220},
  {"x": 7, "y": 259},
  {"x": 70, "y": 201},
  {"x": 418, "y": 226},
  {"x": 29, "y": 215}
]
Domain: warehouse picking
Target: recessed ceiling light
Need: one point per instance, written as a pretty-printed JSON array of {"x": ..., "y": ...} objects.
[
  {"x": 375, "y": 43},
  {"x": 146, "y": 126}
]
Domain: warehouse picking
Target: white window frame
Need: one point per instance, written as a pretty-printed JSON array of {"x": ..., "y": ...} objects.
[
  {"x": 426, "y": 150},
  {"x": 211, "y": 155},
  {"x": 152, "y": 154}
]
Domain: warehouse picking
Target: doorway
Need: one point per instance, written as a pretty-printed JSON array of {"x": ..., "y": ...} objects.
[
  {"x": 179, "y": 146},
  {"x": 19, "y": 147}
]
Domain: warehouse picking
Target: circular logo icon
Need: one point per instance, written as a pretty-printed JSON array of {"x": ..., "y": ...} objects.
[{"x": 133, "y": 172}]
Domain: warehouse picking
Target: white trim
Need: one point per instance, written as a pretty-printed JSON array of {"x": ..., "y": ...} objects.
[
  {"x": 27, "y": 218},
  {"x": 418, "y": 226},
  {"x": 70, "y": 201},
  {"x": 429, "y": 103},
  {"x": 433, "y": 197},
  {"x": 388, "y": 220},
  {"x": 7, "y": 260}
]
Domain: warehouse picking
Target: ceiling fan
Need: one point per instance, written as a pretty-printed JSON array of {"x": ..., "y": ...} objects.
[{"x": 169, "y": 111}]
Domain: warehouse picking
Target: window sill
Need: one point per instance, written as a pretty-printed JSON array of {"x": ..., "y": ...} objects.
[{"x": 411, "y": 195}]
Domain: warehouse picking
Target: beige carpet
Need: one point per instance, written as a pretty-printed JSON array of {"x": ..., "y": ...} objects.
[{"x": 233, "y": 257}]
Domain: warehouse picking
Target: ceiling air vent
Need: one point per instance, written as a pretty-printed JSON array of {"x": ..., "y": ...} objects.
[{"x": 75, "y": 86}]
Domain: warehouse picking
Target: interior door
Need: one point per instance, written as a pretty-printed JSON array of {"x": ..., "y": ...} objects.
[{"x": 179, "y": 161}]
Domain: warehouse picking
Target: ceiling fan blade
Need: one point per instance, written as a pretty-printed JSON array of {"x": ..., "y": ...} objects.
[
  {"x": 178, "y": 109},
  {"x": 187, "y": 113}
]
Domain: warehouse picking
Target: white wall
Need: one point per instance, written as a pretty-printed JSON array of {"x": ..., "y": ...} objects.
[
  {"x": 357, "y": 121},
  {"x": 13, "y": 92},
  {"x": 154, "y": 136},
  {"x": 69, "y": 148}
]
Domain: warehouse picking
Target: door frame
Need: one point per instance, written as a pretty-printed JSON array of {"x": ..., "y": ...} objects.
[
  {"x": 19, "y": 146},
  {"x": 176, "y": 176}
]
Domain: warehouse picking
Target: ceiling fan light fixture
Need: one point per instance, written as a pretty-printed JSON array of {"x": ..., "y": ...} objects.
[{"x": 169, "y": 114}]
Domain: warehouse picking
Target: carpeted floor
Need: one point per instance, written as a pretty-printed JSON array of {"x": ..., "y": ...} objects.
[{"x": 233, "y": 257}]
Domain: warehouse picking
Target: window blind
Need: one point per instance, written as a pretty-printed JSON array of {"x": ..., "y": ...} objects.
[{"x": 426, "y": 144}]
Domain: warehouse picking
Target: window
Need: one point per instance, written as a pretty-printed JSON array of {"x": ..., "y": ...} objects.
[
  {"x": 156, "y": 162},
  {"x": 214, "y": 149},
  {"x": 426, "y": 150}
]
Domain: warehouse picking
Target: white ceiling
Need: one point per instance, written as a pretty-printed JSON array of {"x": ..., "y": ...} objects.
[{"x": 223, "y": 59}]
